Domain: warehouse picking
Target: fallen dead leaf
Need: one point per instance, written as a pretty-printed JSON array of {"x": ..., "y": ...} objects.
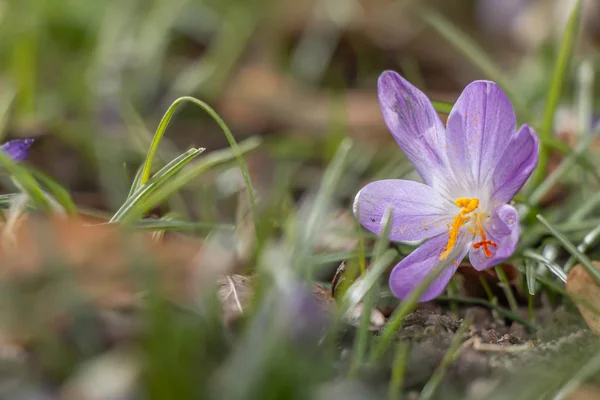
[
  {"x": 98, "y": 255},
  {"x": 583, "y": 286},
  {"x": 586, "y": 392}
]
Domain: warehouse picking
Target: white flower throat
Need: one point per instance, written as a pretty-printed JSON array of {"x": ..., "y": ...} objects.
[{"x": 469, "y": 217}]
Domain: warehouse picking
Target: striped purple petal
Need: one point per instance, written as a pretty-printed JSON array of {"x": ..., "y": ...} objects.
[
  {"x": 418, "y": 211},
  {"x": 479, "y": 129},
  {"x": 415, "y": 267}
]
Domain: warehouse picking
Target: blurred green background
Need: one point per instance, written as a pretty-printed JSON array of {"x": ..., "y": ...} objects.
[
  {"x": 76, "y": 73},
  {"x": 90, "y": 81}
]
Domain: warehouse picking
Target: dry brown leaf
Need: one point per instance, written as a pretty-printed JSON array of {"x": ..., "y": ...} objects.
[
  {"x": 586, "y": 392},
  {"x": 583, "y": 286},
  {"x": 99, "y": 255}
]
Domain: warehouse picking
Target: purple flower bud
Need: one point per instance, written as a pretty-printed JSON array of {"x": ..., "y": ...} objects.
[{"x": 17, "y": 149}]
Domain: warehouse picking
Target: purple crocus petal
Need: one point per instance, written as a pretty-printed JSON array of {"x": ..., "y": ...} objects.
[
  {"x": 479, "y": 128},
  {"x": 502, "y": 229},
  {"x": 515, "y": 165},
  {"x": 418, "y": 210},
  {"x": 17, "y": 149},
  {"x": 415, "y": 125},
  {"x": 409, "y": 272}
]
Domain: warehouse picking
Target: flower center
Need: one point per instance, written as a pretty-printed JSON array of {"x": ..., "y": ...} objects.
[{"x": 467, "y": 206}]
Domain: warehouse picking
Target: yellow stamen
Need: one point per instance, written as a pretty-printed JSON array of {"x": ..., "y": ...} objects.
[{"x": 467, "y": 206}]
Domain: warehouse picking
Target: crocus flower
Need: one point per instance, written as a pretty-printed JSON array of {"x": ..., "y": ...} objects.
[
  {"x": 17, "y": 149},
  {"x": 471, "y": 170}
]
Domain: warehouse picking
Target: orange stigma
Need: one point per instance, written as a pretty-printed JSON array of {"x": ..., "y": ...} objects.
[
  {"x": 484, "y": 242},
  {"x": 467, "y": 206}
]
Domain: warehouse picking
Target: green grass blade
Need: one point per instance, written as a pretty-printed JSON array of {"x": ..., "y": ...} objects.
[
  {"x": 585, "y": 97},
  {"x": 493, "y": 306},
  {"x": 359, "y": 289},
  {"x": 7, "y": 199},
  {"x": 174, "y": 225},
  {"x": 530, "y": 276},
  {"x": 555, "y": 88},
  {"x": 59, "y": 193},
  {"x": 398, "y": 371},
  {"x": 570, "y": 247},
  {"x": 171, "y": 186},
  {"x": 405, "y": 308},
  {"x": 162, "y": 126},
  {"x": 512, "y": 301},
  {"x": 587, "y": 241},
  {"x": 552, "y": 266},
  {"x": 166, "y": 173},
  {"x": 136, "y": 184},
  {"x": 563, "y": 168},
  {"x": 439, "y": 373},
  {"x": 361, "y": 341},
  {"x": 26, "y": 181},
  {"x": 320, "y": 259},
  {"x": 587, "y": 371},
  {"x": 370, "y": 281},
  {"x": 322, "y": 201}
]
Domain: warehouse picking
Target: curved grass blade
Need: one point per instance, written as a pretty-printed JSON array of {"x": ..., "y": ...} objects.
[
  {"x": 150, "y": 224},
  {"x": 26, "y": 182},
  {"x": 586, "y": 371},
  {"x": 7, "y": 199},
  {"x": 170, "y": 186},
  {"x": 565, "y": 166},
  {"x": 493, "y": 306},
  {"x": 530, "y": 276},
  {"x": 398, "y": 371},
  {"x": 322, "y": 201},
  {"x": 439, "y": 373},
  {"x": 368, "y": 286},
  {"x": 563, "y": 292},
  {"x": 166, "y": 173},
  {"x": 405, "y": 308},
  {"x": 162, "y": 126},
  {"x": 587, "y": 241},
  {"x": 178, "y": 225},
  {"x": 59, "y": 193},
  {"x": 136, "y": 184},
  {"x": 383, "y": 259},
  {"x": 552, "y": 266},
  {"x": 570, "y": 247},
  {"x": 510, "y": 297}
]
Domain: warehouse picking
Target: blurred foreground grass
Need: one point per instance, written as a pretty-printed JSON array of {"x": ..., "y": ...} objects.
[{"x": 212, "y": 292}]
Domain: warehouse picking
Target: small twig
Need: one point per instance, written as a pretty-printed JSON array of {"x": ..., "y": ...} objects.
[
  {"x": 497, "y": 348},
  {"x": 235, "y": 296}
]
